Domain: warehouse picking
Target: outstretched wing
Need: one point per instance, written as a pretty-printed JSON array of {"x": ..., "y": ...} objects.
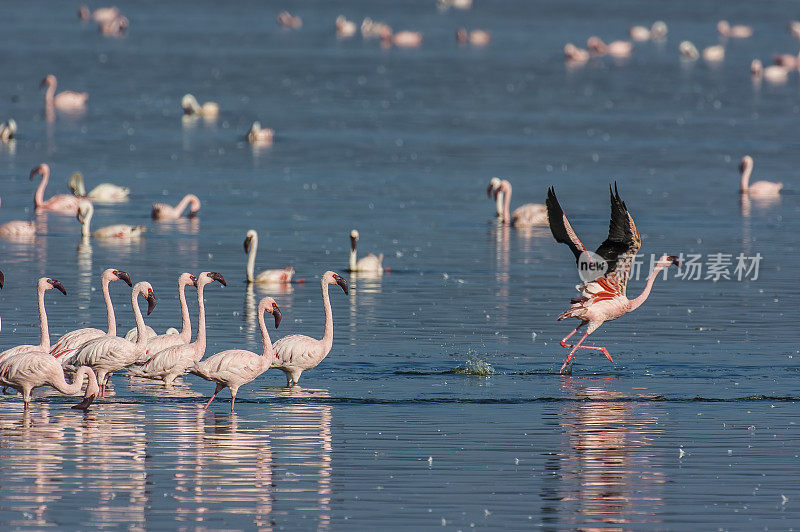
[
  {"x": 560, "y": 227},
  {"x": 622, "y": 244}
]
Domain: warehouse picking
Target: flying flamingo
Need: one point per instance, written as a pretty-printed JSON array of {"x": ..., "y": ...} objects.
[
  {"x": 118, "y": 231},
  {"x": 759, "y": 189},
  {"x": 296, "y": 353},
  {"x": 18, "y": 229},
  {"x": 235, "y": 367},
  {"x": 60, "y": 203},
  {"x": 175, "y": 361},
  {"x": 102, "y": 193},
  {"x": 107, "y": 354},
  {"x": 26, "y": 370},
  {"x": 603, "y": 299},
  {"x": 275, "y": 276},
  {"x": 163, "y": 341},
  {"x": 369, "y": 264},
  {"x": 44, "y": 284},
  {"x": 68, "y": 101},
  {"x": 523, "y": 216},
  {"x": 163, "y": 212},
  {"x": 68, "y": 343}
]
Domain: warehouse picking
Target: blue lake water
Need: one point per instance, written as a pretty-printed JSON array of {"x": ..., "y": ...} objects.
[{"x": 694, "y": 425}]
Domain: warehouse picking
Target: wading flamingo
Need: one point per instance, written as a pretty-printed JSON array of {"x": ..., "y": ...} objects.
[
  {"x": 115, "y": 27},
  {"x": 168, "y": 339},
  {"x": 401, "y": 39},
  {"x": 18, "y": 229},
  {"x": 108, "y": 354},
  {"x": 236, "y": 367},
  {"x": 191, "y": 106},
  {"x": 345, "y": 28},
  {"x": 275, "y": 276},
  {"x": 262, "y": 136},
  {"x": 773, "y": 73},
  {"x": 25, "y": 371},
  {"x": 296, "y": 353},
  {"x": 603, "y": 299},
  {"x": 44, "y": 284},
  {"x": 60, "y": 203},
  {"x": 787, "y": 60},
  {"x": 67, "y": 344},
  {"x": 658, "y": 31},
  {"x": 175, "y": 361},
  {"x": 737, "y": 32},
  {"x": 759, "y": 189},
  {"x": 474, "y": 37},
  {"x": 639, "y": 33},
  {"x": 287, "y": 20},
  {"x": 574, "y": 55},
  {"x": 102, "y": 193},
  {"x": 369, "y": 264},
  {"x": 101, "y": 14},
  {"x": 117, "y": 231},
  {"x": 615, "y": 48},
  {"x": 164, "y": 212},
  {"x": 714, "y": 54},
  {"x": 68, "y": 101},
  {"x": 526, "y": 215},
  {"x": 689, "y": 50},
  {"x": 8, "y": 130}
]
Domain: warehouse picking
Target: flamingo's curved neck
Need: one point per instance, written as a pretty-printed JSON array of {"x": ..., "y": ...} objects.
[
  {"x": 498, "y": 199},
  {"x": 200, "y": 340},
  {"x": 186, "y": 326},
  {"x": 637, "y": 302},
  {"x": 353, "y": 255},
  {"x": 141, "y": 332},
  {"x": 187, "y": 199},
  {"x": 251, "y": 259},
  {"x": 87, "y": 219},
  {"x": 327, "y": 337},
  {"x": 60, "y": 383},
  {"x": 747, "y": 169},
  {"x": 112, "y": 321},
  {"x": 265, "y": 340},
  {"x": 507, "y": 203},
  {"x": 44, "y": 342},
  {"x": 50, "y": 94},
  {"x": 38, "y": 199}
]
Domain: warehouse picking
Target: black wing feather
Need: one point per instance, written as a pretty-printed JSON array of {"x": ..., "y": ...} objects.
[
  {"x": 621, "y": 237},
  {"x": 559, "y": 225}
]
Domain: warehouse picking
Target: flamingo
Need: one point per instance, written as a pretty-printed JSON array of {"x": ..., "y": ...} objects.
[
  {"x": 101, "y": 14},
  {"x": 371, "y": 29},
  {"x": 107, "y": 354},
  {"x": 639, "y": 33},
  {"x": 163, "y": 212},
  {"x": 794, "y": 29},
  {"x": 8, "y": 130},
  {"x": 689, "y": 50},
  {"x": 345, "y": 28},
  {"x": 262, "y": 136},
  {"x": 44, "y": 284},
  {"x": 192, "y": 107},
  {"x": 102, "y": 193},
  {"x": 401, "y": 39},
  {"x": 714, "y": 54},
  {"x": 115, "y": 27},
  {"x": 774, "y": 73},
  {"x": 71, "y": 341},
  {"x": 60, "y": 203},
  {"x": 27, "y": 370},
  {"x": 370, "y": 264},
  {"x": 603, "y": 299},
  {"x": 118, "y": 231},
  {"x": 575, "y": 55},
  {"x": 235, "y": 367},
  {"x": 168, "y": 339},
  {"x": 175, "y": 361},
  {"x": 287, "y": 20},
  {"x": 296, "y": 353},
  {"x": 526, "y": 215},
  {"x": 788, "y": 61},
  {"x": 68, "y": 101},
  {"x": 759, "y": 189},
  {"x": 658, "y": 31},
  {"x": 474, "y": 37},
  {"x": 615, "y": 48},
  {"x": 737, "y": 32},
  {"x": 275, "y": 276},
  {"x": 18, "y": 229}
]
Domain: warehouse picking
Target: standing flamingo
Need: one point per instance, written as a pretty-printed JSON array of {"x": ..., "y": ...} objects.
[
  {"x": 107, "y": 354},
  {"x": 68, "y": 343},
  {"x": 27, "y": 370},
  {"x": 175, "y": 361},
  {"x": 296, "y": 353},
  {"x": 759, "y": 189},
  {"x": 523, "y": 216},
  {"x": 68, "y": 101},
  {"x": 369, "y": 264},
  {"x": 44, "y": 284},
  {"x": 60, "y": 203},
  {"x": 162, "y": 211},
  {"x": 236, "y": 367},
  {"x": 603, "y": 299},
  {"x": 168, "y": 339},
  {"x": 117, "y": 231},
  {"x": 275, "y": 276}
]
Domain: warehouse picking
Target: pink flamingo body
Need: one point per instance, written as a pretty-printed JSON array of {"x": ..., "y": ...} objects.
[
  {"x": 173, "y": 362},
  {"x": 117, "y": 231},
  {"x": 474, "y": 37},
  {"x": 107, "y": 354},
  {"x": 115, "y": 27},
  {"x": 345, "y": 28},
  {"x": 27, "y": 370},
  {"x": 101, "y": 14},
  {"x": 261, "y": 136},
  {"x": 236, "y": 367},
  {"x": 67, "y": 344},
  {"x": 603, "y": 299},
  {"x": 297, "y": 353},
  {"x": 164, "y": 212},
  {"x": 614, "y": 48},
  {"x": 737, "y": 32},
  {"x": 401, "y": 39},
  {"x": 67, "y": 101},
  {"x": 369, "y": 264},
  {"x": 527, "y": 215},
  {"x": 287, "y": 20},
  {"x": 574, "y": 54},
  {"x": 44, "y": 284},
  {"x": 759, "y": 189},
  {"x": 773, "y": 73},
  {"x": 274, "y": 276},
  {"x": 60, "y": 203},
  {"x": 18, "y": 229}
]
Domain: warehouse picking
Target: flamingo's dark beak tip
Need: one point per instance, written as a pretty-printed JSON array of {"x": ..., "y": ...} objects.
[
  {"x": 276, "y": 313},
  {"x": 2, "y": 279},
  {"x": 123, "y": 276},
  {"x": 58, "y": 286},
  {"x": 83, "y": 405},
  {"x": 218, "y": 277},
  {"x": 341, "y": 281},
  {"x": 675, "y": 260},
  {"x": 151, "y": 302}
]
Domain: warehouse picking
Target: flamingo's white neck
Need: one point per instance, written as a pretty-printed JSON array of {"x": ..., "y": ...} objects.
[
  {"x": 186, "y": 326},
  {"x": 200, "y": 340},
  {"x": 327, "y": 337},
  {"x": 506, "y": 202},
  {"x": 747, "y": 169},
  {"x": 38, "y": 198},
  {"x": 87, "y": 220},
  {"x": 49, "y": 95},
  {"x": 251, "y": 257},
  {"x": 498, "y": 198},
  {"x": 637, "y": 302},
  {"x": 141, "y": 331},
  {"x": 112, "y": 321},
  {"x": 353, "y": 255},
  {"x": 60, "y": 383},
  {"x": 265, "y": 340},
  {"x": 44, "y": 342}
]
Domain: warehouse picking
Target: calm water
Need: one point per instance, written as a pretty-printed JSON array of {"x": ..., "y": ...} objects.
[{"x": 692, "y": 426}]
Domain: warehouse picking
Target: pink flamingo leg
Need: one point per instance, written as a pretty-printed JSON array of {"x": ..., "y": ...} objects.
[
  {"x": 576, "y": 329},
  {"x": 219, "y": 388},
  {"x": 233, "y": 400},
  {"x": 579, "y": 346}
]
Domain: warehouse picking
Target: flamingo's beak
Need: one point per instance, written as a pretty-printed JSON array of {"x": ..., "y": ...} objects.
[
  {"x": 276, "y": 313},
  {"x": 341, "y": 281},
  {"x": 675, "y": 260},
  {"x": 151, "y": 301},
  {"x": 58, "y": 286},
  {"x": 741, "y": 167},
  {"x": 43, "y": 83},
  {"x": 218, "y": 277},
  {"x": 2, "y": 279},
  {"x": 489, "y": 190},
  {"x": 247, "y": 244},
  {"x": 83, "y": 405},
  {"x": 35, "y": 172},
  {"x": 123, "y": 276}
]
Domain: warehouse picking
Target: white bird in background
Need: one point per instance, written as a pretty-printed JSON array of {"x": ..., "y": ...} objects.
[
  {"x": 369, "y": 264},
  {"x": 102, "y": 193},
  {"x": 274, "y": 276},
  {"x": 117, "y": 231}
]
